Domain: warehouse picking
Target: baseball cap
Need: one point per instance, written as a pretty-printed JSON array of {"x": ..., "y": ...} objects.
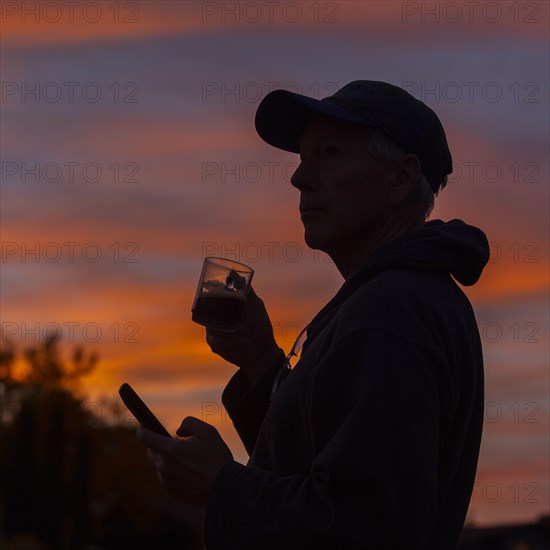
[{"x": 410, "y": 123}]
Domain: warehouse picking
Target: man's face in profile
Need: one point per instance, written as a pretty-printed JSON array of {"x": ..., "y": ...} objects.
[{"x": 344, "y": 189}]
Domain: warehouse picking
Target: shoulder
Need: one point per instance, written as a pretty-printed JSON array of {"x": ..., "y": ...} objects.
[
  {"x": 394, "y": 295},
  {"x": 425, "y": 307}
]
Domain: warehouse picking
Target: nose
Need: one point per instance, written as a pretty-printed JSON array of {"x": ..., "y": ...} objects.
[{"x": 304, "y": 177}]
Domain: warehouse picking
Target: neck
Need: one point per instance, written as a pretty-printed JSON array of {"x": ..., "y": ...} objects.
[{"x": 354, "y": 253}]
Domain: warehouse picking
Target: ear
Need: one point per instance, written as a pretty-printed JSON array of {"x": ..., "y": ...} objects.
[{"x": 406, "y": 179}]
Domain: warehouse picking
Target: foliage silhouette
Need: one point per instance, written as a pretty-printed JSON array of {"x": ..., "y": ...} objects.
[{"x": 70, "y": 478}]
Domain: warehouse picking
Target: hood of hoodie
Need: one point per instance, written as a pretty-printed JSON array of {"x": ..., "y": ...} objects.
[{"x": 453, "y": 247}]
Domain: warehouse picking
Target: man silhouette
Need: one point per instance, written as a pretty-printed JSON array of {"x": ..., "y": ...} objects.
[{"x": 372, "y": 439}]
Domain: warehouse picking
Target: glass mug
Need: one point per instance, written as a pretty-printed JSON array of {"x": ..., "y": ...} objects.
[{"x": 221, "y": 293}]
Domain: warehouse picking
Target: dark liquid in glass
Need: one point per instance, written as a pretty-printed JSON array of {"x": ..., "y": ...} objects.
[{"x": 219, "y": 312}]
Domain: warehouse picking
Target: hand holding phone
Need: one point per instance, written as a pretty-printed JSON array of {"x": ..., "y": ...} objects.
[{"x": 140, "y": 410}]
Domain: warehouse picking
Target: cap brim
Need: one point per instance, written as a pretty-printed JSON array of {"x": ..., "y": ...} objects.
[{"x": 282, "y": 115}]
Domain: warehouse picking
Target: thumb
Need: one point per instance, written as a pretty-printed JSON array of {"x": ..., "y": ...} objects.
[{"x": 191, "y": 426}]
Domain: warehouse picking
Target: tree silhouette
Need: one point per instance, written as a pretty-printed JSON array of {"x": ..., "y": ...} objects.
[
  {"x": 48, "y": 370},
  {"x": 69, "y": 477}
]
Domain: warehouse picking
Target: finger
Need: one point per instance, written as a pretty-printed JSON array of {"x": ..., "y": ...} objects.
[
  {"x": 242, "y": 332},
  {"x": 228, "y": 344},
  {"x": 228, "y": 349},
  {"x": 153, "y": 440},
  {"x": 192, "y": 426}
]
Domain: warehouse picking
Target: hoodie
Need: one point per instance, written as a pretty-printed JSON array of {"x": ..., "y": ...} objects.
[{"x": 372, "y": 440}]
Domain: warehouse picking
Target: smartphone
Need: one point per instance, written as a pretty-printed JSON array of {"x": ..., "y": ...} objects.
[{"x": 140, "y": 410}]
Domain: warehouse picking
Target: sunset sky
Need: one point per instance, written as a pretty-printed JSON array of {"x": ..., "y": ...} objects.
[{"x": 129, "y": 153}]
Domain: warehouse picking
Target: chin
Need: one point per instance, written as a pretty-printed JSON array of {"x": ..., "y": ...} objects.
[{"x": 318, "y": 241}]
